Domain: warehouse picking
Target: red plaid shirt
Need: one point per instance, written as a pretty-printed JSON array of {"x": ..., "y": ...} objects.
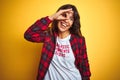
[{"x": 37, "y": 33}]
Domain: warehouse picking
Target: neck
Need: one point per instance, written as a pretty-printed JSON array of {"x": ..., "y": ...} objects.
[{"x": 63, "y": 34}]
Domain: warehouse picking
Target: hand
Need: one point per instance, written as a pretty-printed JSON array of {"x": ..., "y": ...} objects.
[{"x": 60, "y": 15}]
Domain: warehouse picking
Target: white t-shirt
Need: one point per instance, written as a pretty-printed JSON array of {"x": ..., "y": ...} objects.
[{"x": 62, "y": 66}]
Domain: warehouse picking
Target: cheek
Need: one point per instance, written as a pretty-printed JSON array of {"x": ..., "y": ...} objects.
[
  {"x": 71, "y": 23},
  {"x": 58, "y": 24}
]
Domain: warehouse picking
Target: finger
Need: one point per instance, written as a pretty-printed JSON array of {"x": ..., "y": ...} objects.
[
  {"x": 66, "y": 10},
  {"x": 61, "y": 18}
]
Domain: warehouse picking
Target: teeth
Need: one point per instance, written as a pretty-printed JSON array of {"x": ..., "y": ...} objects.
[{"x": 64, "y": 25}]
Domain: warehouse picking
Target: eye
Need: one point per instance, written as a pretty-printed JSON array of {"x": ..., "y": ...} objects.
[
  {"x": 64, "y": 15},
  {"x": 71, "y": 18}
]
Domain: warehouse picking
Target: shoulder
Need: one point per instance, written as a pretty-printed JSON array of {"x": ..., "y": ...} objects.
[{"x": 78, "y": 39}]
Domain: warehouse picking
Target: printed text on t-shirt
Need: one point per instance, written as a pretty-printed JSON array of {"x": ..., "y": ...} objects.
[{"x": 61, "y": 50}]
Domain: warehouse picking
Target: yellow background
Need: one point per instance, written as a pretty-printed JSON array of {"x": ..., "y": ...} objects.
[{"x": 100, "y": 20}]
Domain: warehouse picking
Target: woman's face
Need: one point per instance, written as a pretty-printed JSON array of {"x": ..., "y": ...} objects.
[{"x": 64, "y": 25}]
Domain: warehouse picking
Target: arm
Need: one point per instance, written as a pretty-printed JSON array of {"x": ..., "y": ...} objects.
[
  {"x": 36, "y": 32},
  {"x": 85, "y": 65}
]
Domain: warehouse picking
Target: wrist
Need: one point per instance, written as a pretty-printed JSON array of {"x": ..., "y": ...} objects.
[{"x": 51, "y": 18}]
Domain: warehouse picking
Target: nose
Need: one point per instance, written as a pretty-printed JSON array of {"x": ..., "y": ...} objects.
[{"x": 66, "y": 20}]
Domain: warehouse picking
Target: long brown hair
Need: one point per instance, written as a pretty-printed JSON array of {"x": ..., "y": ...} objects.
[{"x": 75, "y": 29}]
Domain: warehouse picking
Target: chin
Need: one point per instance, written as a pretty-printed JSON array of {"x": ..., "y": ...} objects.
[{"x": 60, "y": 30}]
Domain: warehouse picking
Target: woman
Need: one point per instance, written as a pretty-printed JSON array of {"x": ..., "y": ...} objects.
[{"x": 64, "y": 55}]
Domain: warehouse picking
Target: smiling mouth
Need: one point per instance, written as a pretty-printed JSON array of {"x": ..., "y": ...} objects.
[{"x": 63, "y": 24}]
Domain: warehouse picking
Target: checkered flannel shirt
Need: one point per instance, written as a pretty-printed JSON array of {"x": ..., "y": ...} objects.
[{"x": 37, "y": 33}]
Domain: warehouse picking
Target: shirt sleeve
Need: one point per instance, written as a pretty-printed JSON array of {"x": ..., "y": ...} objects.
[
  {"x": 85, "y": 64},
  {"x": 36, "y": 32}
]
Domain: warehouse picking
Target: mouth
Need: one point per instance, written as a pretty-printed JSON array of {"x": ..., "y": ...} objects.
[{"x": 64, "y": 24}]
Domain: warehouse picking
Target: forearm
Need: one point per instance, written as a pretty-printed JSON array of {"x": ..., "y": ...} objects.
[{"x": 35, "y": 33}]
